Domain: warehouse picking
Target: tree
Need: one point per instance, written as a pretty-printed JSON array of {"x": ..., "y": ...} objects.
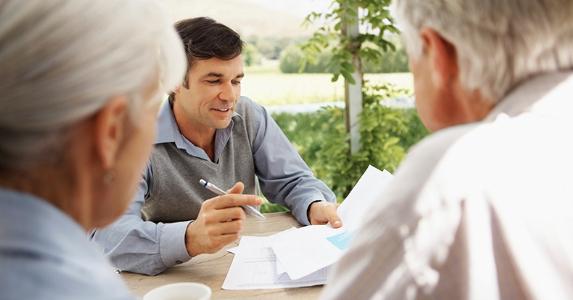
[
  {"x": 354, "y": 30},
  {"x": 290, "y": 60}
]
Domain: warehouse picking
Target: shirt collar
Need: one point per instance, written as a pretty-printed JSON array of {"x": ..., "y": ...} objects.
[
  {"x": 33, "y": 224},
  {"x": 168, "y": 132},
  {"x": 167, "y": 129},
  {"x": 547, "y": 94}
]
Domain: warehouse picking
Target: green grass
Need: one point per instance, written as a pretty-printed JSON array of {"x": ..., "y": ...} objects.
[{"x": 269, "y": 87}]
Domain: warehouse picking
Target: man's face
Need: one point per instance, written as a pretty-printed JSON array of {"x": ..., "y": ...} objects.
[{"x": 214, "y": 87}]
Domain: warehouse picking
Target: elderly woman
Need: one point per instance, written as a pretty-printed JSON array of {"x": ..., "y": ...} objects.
[{"x": 80, "y": 86}]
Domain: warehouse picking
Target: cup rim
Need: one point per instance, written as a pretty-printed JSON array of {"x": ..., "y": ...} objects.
[{"x": 163, "y": 287}]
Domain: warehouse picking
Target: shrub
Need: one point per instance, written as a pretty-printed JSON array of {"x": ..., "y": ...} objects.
[
  {"x": 271, "y": 47},
  {"x": 321, "y": 139},
  {"x": 395, "y": 61},
  {"x": 291, "y": 60}
]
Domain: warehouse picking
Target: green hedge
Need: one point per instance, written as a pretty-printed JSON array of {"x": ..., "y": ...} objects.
[{"x": 292, "y": 60}]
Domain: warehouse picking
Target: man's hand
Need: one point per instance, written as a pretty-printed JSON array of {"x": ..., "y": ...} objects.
[
  {"x": 220, "y": 221},
  {"x": 322, "y": 212}
]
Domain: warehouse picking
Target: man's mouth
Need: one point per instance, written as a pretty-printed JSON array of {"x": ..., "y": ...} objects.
[{"x": 222, "y": 109}]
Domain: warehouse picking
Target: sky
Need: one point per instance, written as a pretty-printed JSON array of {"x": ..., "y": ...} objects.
[
  {"x": 252, "y": 17},
  {"x": 299, "y": 8}
]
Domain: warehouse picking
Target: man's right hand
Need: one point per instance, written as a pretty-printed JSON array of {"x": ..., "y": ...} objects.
[{"x": 220, "y": 221}]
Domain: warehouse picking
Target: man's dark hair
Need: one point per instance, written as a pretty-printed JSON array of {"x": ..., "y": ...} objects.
[{"x": 205, "y": 38}]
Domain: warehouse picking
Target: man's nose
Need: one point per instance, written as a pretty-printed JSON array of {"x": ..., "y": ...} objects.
[{"x": 227, "y": 92}]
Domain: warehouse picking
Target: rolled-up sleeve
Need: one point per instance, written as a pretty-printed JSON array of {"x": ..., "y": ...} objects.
[
  {"x": 139, "y": 246},
  {"x": 283, "y": 175}
]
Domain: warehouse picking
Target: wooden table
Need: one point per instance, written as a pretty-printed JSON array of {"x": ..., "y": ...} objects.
[{"x": 211, "y": 269}]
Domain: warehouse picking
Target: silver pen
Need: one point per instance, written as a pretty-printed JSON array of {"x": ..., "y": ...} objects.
[{"x": 248, "y": 209}]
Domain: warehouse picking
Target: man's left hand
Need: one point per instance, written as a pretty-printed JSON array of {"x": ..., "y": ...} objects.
[{"x": 322, "y": 212}]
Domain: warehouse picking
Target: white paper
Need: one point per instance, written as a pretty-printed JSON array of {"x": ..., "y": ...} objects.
[
  {"x": 254, "y": 267},
  {"x": 280, "y": 268},
  {"x": 233, "y": 250},
  {"x": 254, "y": 243},
  {"x": 305, "y": 250},
  {"x": 363, "y": 195}
]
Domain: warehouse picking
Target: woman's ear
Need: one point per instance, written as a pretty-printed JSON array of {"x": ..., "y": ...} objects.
[
  {"x": 109, "y": 126},
  {"x": 442, "y": 55}
]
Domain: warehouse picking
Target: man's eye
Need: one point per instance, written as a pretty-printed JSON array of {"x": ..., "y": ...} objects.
[
  {"x": 212, "y": 81},
  {"x": 235, "y": 82}
]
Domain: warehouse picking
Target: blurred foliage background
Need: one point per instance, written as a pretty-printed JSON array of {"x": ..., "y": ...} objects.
[{"x": 320, "y": 137}]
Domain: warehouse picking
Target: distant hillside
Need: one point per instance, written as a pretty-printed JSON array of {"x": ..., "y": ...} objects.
[{"x": 282, "y": 18}]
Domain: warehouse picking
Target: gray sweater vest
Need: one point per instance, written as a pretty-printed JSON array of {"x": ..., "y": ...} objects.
[{"x": 175, "y": 193}]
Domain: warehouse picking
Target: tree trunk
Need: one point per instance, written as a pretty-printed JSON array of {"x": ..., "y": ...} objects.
[{"x": 353, "y": 92}]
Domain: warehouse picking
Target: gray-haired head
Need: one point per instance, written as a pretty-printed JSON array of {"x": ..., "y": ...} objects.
[
  {"x": 62, "y": 60},
  {"x": 499, "y": 43}
]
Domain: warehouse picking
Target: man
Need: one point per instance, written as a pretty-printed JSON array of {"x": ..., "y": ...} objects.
[
  {"x": 206, "y": 132},
  {"x": 482, "y": 209}
]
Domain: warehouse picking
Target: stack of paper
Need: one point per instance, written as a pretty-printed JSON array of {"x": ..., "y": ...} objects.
[
  {"x": 255, "y": 267},
  {"x": 300, "y": 257},
  {"x": 305, "y": 250}
]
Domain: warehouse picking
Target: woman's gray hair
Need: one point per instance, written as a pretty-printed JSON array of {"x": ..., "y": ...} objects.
[
  {"x": 499, "y": 43},
  {"x": 62, "y": 60}
]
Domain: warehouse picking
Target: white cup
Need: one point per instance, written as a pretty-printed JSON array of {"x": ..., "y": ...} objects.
[{"x": 179, "y": 291}]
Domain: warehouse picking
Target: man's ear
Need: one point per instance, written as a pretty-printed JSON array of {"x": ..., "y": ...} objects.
[
  {"x": 442, "y": 56},
  {"x": 109, "y": 125}
]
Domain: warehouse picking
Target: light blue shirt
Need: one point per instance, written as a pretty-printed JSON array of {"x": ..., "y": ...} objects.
[
  {"x": 44, "y": 254},
  {"x": 145, "y": 247}
]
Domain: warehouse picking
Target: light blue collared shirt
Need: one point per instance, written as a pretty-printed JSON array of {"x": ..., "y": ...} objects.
[
  {"x": 44, "y": 254},
  {"x": 149, "y": 248}
]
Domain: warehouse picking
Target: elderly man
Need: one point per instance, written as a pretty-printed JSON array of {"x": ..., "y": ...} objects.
[{"x": 483, "y": 208}]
